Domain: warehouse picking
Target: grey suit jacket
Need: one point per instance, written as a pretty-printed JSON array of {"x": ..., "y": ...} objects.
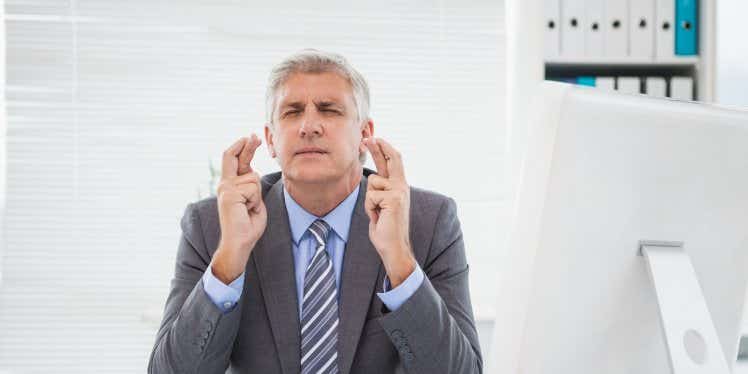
[{"x": 432, "y": 332}]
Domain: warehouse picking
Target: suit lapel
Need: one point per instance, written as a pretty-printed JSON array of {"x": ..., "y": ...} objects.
[
  {"x": 361, "y": 266},
  {"x": 275, "y": 267}
]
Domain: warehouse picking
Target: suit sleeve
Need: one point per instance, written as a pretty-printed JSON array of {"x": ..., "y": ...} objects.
[
  {"x": 434, "y": 330},
  {"x": 195, "y": 335}
]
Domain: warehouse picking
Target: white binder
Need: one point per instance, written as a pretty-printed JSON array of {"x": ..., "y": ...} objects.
[
  {"x": 655, "y": 86},
  {"x": 552, "y": 27},
  {"x": 572, "y": 30},
  {"x": 594, "y": 37},
  {"x": 681, "y": 88},
  {"x": 616, "y": 28},
  {"x": 641, "y": 30},
  {"x": 629, "y": 85},
  {"x": 665, "y": 30},
  {"x": 605, "y": 83}
]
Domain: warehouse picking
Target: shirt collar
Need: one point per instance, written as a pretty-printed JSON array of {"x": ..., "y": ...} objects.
[{"x": 339, "y": 218}]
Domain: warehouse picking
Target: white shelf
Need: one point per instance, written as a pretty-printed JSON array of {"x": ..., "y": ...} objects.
[
  {"x": 594, "y": 61},
  {"x": 701, "y": 68}
]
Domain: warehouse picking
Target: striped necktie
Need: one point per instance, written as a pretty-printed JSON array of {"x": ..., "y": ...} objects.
[{"x": 319, "y": 312}]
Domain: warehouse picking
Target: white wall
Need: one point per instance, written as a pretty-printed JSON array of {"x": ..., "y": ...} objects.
[
  {"x": 3, "y": 140},
  {"x": 732, "y": 52}
]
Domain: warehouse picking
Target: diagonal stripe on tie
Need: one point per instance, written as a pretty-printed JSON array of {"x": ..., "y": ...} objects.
[
  {"x": 322, "y": 357},
  {"x": 319, "y": 314}
]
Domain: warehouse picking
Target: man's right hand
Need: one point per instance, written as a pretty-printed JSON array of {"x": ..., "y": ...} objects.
[{"x": 241, "y": 210}]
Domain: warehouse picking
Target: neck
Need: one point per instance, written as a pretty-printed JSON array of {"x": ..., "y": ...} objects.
[{"x": 320, "y": 198}]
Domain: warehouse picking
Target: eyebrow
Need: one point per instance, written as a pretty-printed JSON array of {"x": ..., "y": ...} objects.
[
  {"x": 328, "y": 104},
  {"x": 319, "y": 104},
  {"x": 293, "y": 105}
]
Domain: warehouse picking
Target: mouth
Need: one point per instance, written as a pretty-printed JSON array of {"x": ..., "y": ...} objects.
[{"x": 310, "y": 152}]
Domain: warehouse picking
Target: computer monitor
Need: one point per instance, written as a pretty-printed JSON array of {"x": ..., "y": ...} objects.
[{"x": 603, "y": 172}]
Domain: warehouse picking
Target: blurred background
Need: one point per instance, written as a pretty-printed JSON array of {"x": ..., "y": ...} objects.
[{"x": 115, "y": 114}]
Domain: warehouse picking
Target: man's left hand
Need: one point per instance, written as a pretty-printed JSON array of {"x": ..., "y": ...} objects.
[{"x": 388, "y": 207}]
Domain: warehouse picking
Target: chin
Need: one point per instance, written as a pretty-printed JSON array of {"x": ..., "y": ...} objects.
[{"x": 311, "y": 173}]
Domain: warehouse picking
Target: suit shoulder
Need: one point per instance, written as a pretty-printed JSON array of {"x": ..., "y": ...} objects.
[
  {"x": 201, "y": 215},
  {"x": 205, "y": 207},
  {"x": 427, "y": 199},
  {"x": 430, "y": 208}
]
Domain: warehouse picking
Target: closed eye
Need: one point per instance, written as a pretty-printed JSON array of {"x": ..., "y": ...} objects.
[{"x": 291, "y": 112}]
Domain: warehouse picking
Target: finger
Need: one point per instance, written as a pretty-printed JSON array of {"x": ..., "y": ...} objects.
[
  {"x": 258, "y": 208},
  {"x": 248, "y": 153},
  {"x": 376, "y": 154},
  {"x": 377, "y": 182},
  {"x": 394, "y": 160},
  {"x": 229, "y": 160},
  {"x": 371, "y": 205},
  {"x": 250, "y": 192},
  {"x": 374, "y": 199},
  {"x": 254, "y": 206},
  {"x": 252, "y": 177},
  {"x": 373, "y": 215}
]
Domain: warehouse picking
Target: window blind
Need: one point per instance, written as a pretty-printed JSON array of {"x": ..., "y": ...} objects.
[{"x": 117, "y": 109}]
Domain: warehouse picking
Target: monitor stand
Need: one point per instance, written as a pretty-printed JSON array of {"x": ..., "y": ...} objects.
[{"x": 690, "y": 336}]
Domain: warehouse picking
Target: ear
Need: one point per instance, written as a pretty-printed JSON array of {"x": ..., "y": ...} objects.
[
  {"x": 367, "y": 131},
  {"x": 269, "y": 140}
]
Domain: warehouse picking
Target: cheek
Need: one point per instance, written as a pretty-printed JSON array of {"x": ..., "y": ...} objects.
[{"x": 281, "y": 143}]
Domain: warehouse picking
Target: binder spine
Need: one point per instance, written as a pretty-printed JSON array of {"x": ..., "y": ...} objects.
[{"x": 686, "y": 31}]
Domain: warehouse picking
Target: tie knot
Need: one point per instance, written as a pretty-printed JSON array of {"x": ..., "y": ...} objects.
[{"x": 320, "y": 229}]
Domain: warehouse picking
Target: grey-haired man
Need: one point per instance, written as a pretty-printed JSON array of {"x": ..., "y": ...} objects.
[{"x": 326, "y": 266}]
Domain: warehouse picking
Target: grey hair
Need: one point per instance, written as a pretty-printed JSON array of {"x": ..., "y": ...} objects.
[{"x": 312, "y": 61}]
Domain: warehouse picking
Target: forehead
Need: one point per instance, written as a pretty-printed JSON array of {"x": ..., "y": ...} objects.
[{"x": 304, "y": 87}]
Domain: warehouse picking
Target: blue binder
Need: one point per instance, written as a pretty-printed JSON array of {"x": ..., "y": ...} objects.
[
  {"x": 586, "y": 81},
  {"x": 686, "y": 27}
]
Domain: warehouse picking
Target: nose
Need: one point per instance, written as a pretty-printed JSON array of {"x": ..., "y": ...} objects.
[{"x": 311, "y": 125}]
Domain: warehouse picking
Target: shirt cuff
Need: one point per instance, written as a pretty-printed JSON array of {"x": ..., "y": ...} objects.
[
  {"x": 224, "y": 296},
  {"x": 392, "y": 299}
]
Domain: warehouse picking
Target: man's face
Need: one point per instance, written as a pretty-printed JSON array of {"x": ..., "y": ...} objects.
[{"x": 316, "y": 135}]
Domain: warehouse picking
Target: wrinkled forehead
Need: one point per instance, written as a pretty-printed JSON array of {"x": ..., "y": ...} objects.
[{"x": 315, "y": 87}]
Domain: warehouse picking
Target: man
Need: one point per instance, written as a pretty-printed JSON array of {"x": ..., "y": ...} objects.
[{"x": 325, "y": 267}]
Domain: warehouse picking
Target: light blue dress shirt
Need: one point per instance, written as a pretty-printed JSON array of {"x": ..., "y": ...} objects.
[{"x": 226, "y": 296}]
